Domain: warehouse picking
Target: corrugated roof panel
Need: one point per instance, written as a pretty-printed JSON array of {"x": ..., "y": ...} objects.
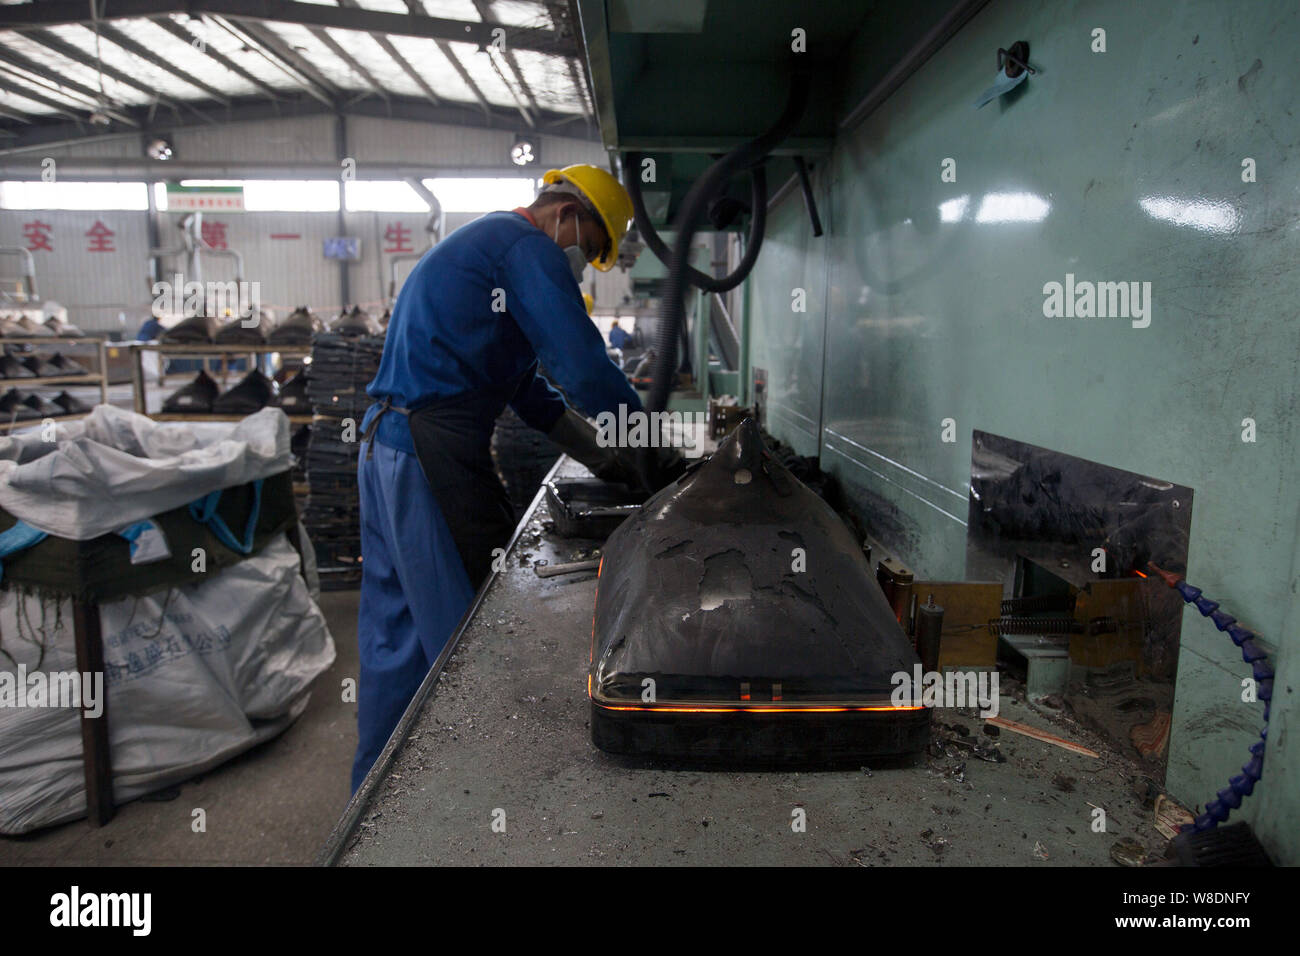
[
  {"x": 363, "y": 48},
  {"x": 186, "y": 58},
  {"x": 387, "y": 6},
  {"x": 394, "y": 78},
  {"x": 548, "y": 77},
  {"x": 21, "y": 104},
  {"x": 494, "y": 79},
  {"x": 447, "y": 9},
  {"x": 67, "y": 99},
  {"x": 521, "y": 14},
  {"x": 230, "y": 46},
  {"x": 113, "y": 55},
  {"x": 434, "y": 68},
  {"x": 318, "y": 55},
  {"x": 71, "y": 69}
]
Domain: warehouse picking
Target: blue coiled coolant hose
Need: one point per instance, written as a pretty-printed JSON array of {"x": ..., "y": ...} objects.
[{"x": 1242, "y": 785}]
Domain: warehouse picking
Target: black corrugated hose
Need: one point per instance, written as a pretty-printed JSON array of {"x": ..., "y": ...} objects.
[
  {"x": 757, "y": 226},
  {"x": 672, "y": 307}
]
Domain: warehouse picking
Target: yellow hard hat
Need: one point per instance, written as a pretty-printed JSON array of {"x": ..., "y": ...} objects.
[{"x": 606, "y": 197}]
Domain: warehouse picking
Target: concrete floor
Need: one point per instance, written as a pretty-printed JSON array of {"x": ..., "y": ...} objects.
[{"x": 273, "y": 805}]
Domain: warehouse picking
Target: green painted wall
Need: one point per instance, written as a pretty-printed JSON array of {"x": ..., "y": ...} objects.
[{"x": 924, "y": 301}]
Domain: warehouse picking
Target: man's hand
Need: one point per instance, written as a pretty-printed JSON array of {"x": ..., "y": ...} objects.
[
  {"x": 669, "y": 466},
  {"x": 577, "y": 437},
  {"x": 620, "y": 469}
]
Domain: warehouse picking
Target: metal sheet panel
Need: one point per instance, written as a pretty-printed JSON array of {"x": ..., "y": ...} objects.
[
  {"x": 95, "y": 287},
  {"x": 115, "y": 146},
  {"x": 289, "y": 140},
  {"x": 434, "y": 145},
  {"x": 291, "y": 271},
  {"x": 382, "y": 140}
]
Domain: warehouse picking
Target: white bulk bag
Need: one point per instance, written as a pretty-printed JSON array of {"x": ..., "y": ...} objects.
[
  {"x": 193, "y": 676},
  {"x": 114, "y": 467}
]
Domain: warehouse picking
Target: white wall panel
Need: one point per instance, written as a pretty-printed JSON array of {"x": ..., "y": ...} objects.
[
  {"x": 283, "y": 251},
  {"x": 94, "y": 286},
  {"x": 304, "y": 139}
]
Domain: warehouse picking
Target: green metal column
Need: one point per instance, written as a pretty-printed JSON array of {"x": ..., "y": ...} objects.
[{"x": 700, "y": 360}]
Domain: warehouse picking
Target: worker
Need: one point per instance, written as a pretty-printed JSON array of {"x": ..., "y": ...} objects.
[
  {"x": 618, "y": 338},
  {"x": 150, "y": 330},
  {"x": 472, "y": 321}
]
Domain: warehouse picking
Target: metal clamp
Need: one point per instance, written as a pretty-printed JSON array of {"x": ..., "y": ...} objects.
[{"x": 1018, "y": 55}]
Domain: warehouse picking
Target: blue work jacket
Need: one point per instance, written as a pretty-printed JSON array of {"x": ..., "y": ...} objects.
[{"x": 480, "y": 309}]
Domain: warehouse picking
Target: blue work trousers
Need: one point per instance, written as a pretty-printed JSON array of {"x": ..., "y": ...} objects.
[{"x": 414, "y": 590}]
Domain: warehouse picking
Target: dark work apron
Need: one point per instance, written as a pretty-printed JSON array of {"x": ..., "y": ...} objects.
[{"x": 453, "y": 443}]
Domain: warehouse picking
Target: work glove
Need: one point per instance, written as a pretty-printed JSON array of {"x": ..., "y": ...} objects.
[
  {"x": 658, "y": 467},
  {"x": 669, "y": 466},
  {"x": 577, "y": 437}
]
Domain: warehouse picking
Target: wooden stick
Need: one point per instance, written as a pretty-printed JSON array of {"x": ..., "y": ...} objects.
[{"x": 1045, "y": 737}]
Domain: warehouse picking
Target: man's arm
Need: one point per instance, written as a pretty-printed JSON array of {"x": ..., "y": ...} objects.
[
  {"x": 543, "y": 298},
  {"x": 539, "y": 405}
]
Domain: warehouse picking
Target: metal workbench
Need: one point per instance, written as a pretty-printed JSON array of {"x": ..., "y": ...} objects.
[{"x": 499, "y": 734}]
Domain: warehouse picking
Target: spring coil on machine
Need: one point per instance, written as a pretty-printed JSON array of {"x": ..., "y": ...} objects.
[
  {"x": 1052, "y": 625},
  {"x": 1038, "y": 604},
  {"x": 1035, "y": 625}
]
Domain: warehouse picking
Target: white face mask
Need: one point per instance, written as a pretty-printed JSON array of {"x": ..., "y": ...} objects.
[{"x": 577, "y": 261}]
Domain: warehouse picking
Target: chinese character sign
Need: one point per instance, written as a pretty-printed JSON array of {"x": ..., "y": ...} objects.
[
  {"x": 204, "y": 198},
  {"x": 101, "y": 238},
  {"x": 398, "y": 238},
  {"x": 38, "y": 236},
  {"x": 214, "y": 234}
]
